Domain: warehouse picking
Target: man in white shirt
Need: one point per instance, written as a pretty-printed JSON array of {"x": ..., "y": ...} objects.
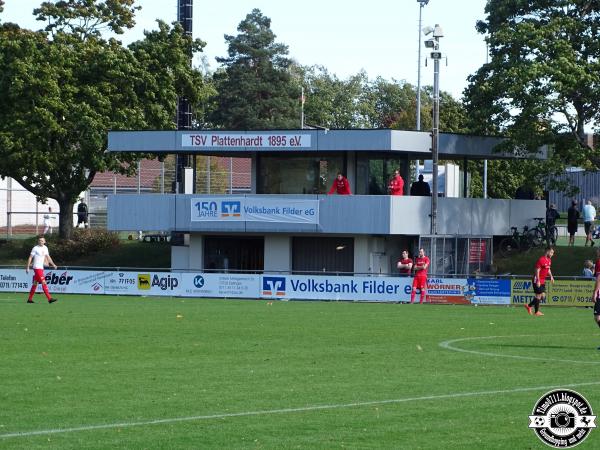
[
  {"x": 48, "y": 222},
  {"x": 40, "y": 257},
  {"x": 589, "y": 215}
]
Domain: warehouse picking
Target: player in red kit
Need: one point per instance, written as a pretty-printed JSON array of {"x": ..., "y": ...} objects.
[
  {"x": 340, "y": 185},
  {"x": 396, "y": 186},
  {"x": 405, "y": 264},
  {"x": 596, "y": 296},
  {"x": 542, "y": 270},
  {"x": 420, "y": 279}
]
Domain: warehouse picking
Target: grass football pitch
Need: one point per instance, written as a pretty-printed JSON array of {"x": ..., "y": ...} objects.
[{"x": 99, "y": 372}]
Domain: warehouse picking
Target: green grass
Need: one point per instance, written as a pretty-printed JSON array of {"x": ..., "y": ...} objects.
[
  {"x": 86, "y": 361},
  {"x": 128, "y": 254}
]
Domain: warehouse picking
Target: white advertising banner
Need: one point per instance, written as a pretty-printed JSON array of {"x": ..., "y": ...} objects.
[
  {"x": 272, "y": 140},
  {"x": 220, "y": 285},
  {"x": 143, "y": 283},
  {"x": 253, "y": 209},
  {"x": 58, "y": 281},
  {"x": 319, "y": 287}
]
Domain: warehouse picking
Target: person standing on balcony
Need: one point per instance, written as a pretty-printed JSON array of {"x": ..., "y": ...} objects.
[
  {"x": 396, "y": 186},
  {"x": 572, "y": 224},
  {"x": 420, "y": 279},
  {"x": 589, "y": 215},
  {"x": 340, "y": 185},
  {"x": 420, "y": 188}
]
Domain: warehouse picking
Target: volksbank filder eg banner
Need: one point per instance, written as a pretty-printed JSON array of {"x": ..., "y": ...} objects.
[{"x": 228, "y": 209}]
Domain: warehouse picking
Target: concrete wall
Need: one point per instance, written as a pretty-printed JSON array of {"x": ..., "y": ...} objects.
[{"x": 354, "y": 215}]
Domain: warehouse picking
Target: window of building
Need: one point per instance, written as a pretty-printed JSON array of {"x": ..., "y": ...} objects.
[
  {"x": 297, "y": 175},
  {"x": 323, "y": 254},
  {"x": 231, "y": 253},
  {"x": 374, "y": 174}
]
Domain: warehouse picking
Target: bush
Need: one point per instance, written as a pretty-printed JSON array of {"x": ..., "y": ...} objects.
[{"x": 83, "y": 242}]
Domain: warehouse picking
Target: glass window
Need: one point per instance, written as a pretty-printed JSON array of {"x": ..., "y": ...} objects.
[
  {"x": 297, "y": 175},
  {"x": 230, "y": 253},
  {"x": 323, "y": 254},
  {"x": 373, "y": 174}
]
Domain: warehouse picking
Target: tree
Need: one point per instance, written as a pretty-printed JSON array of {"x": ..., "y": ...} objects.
[
  {"x": 255, "y": 88},
  {"x": 63, "y": 88},
  {"x": 542, "y": 84}
]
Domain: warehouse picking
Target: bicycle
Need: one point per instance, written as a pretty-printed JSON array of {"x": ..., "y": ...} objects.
[
  {"x": 518, "y": 242},
  {"x": 543, "y": 233}
]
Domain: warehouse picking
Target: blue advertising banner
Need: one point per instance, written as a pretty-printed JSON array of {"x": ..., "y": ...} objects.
[{"x": 488, "y": 291}]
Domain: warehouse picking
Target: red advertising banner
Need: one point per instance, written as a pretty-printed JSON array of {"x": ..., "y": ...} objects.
[{"x": 477, "y": 251}]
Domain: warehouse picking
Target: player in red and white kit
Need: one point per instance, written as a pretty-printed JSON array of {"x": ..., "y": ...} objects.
[
  {"x": 396, "y": 186},
  {"x": 40, "y": 257},
  {"x": 420, "y": 279},
  {"x": 404, "y": 264},
  {"x": 542, "y": 270},
  {"x": 340, "y": 185}
]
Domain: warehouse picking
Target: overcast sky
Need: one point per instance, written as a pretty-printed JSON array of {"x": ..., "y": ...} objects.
[{"x": 380, "y": 36}]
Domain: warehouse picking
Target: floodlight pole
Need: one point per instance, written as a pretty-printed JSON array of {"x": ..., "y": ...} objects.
[
  {"x": 422, "y": 3},
  {"x": 436, "y": 55}
]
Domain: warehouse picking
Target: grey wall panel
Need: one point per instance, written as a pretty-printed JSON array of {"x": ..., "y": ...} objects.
[
  {"x": 143, "y": 141},
  {"x": 362, "y": 214},
  {"x": 490, "y": 217},
  {"x": 454, "y": 216},
  {"x": 154, "y": 212},
  {"x": 409, "y": 215},
  {"x": 522, "y": 212}
]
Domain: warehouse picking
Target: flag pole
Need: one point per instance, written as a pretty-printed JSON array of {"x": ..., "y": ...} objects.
[{"x": 302, "y": 109}]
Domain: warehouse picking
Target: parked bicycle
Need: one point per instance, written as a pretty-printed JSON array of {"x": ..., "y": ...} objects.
[
  {"x": 518, "y": 242},
  {"x": 543, "y": 234}
]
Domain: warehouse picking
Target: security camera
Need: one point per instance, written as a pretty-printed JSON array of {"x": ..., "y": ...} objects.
[{"x": 430, "y": 43}]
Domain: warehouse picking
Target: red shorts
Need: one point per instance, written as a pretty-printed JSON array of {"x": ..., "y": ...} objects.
[
  {"x": 419, "y": 283},
  {"x": 38, "y": 276}
]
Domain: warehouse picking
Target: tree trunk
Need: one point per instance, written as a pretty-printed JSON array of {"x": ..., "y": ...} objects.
[{"x": 65, "y": 218}]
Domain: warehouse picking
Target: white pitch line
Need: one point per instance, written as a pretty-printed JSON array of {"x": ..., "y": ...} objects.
[
  {"x": 287, "y": 410},
  {"x": 448, "y": 346}
]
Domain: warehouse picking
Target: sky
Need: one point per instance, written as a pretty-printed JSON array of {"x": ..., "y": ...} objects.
[{"x": 379, "y": 36}]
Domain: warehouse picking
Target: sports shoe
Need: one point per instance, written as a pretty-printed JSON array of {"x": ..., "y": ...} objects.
[
  {"x": 539, "y": 313},
  {"x": 30, "y": 301},
  {"x": 52, "y": 300},
  {"x": 528, "y": 308}
]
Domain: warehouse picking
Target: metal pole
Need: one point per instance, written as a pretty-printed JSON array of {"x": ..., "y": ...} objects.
[
  {"x": 230, "y": 175},
  {"x": 419, "y": 71},
  {"x": 485, "y": 177},
  {"x": 162, "y": 177},
  {"x": 435, "y": 135},
  {"x": 302, "y": 109}
]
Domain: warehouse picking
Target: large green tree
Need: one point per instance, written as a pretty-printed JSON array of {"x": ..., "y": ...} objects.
[
  {"x": 255, "y": 87},
  {"x": 63, "y": 88},
  {"x": 542, "y": 83}
]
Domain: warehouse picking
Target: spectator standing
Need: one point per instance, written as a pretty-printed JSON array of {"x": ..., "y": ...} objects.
[
  {"x": 596, "y": 294},
  {"x": 572, "y": 221},
  {"x": 420, "y": 188},
  {"x": 48, "y": 222},
  {"x": 82, "y": 214},
  {"x": 40, "y": 257},
  {"x": 589, "y": 215},
  {"x": 396, "y": 186},
  {"x": 340, "y": 185},
  {"x": 405, "y": 264},
  {"x": 551, "y": 215},
  {"x": 588, "y": 267}
]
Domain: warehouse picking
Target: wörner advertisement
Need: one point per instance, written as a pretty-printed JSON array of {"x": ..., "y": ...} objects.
[
  {"x": 482, "y": 291},
  {"x": 250, "y": 209}
]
